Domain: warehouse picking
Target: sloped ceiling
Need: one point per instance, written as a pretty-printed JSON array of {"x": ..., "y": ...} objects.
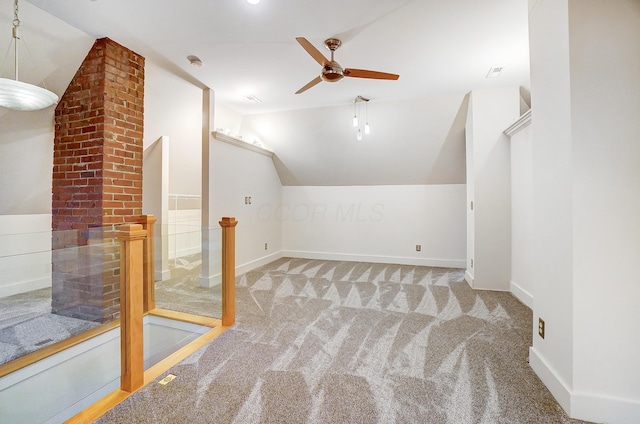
[
  {"x": 419, "y": 141},
  {"x": 441, "y": 49}
]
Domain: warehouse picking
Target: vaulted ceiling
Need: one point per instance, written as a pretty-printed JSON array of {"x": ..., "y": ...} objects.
[{"x": 441, "y": 49}]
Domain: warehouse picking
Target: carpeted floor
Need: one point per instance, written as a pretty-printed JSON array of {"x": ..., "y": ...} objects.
[
  {"x": 27, "y": 324},
  {"x": 182, "y": 292},
  {"x": 343, "y": 342}
]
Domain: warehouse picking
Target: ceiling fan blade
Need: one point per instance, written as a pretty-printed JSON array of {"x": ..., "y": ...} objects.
[
  {"x": 315, "y": 53},
  {"x": 309, "y": 85},
  {"x": 362, "y": 73}
]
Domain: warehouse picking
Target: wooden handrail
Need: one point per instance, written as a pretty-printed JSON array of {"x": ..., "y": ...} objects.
[
  {"x": 228, "y": 271},
  {"x": 133, "y": 292},
  {"x": 149, "y": 292},
  {"x": 137, "y": 291},
  {"x": 131, "y": 239}
]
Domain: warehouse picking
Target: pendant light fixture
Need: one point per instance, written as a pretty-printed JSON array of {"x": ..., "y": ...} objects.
[
  {"x": 21, "y": 95},
  {"x": 367, "y": 130},
  {"x": 357, "y": 114}
]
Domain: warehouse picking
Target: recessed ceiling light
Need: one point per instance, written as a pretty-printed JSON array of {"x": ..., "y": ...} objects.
[
  {"x": 194, "y": 61},
  {"x": 253, "y": 1},
  {"x": 494, "y": 72}
]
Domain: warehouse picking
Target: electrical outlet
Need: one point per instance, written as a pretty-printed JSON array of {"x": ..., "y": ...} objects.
[
  {"x": 541, "y": 327},
  {"x": 418, "y": 248},
  {"x": 471, "y": 263},
  {"x": 265, "y": 246}
]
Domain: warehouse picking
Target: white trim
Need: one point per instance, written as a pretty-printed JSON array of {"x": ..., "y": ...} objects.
[
  {"x": 348, "y": 257},
  {"x": 162, "y": 275},
  {"x": 584, "y": 406},
  {"x": 522, "y": 295},
  {"x": 240, "y": 143},
  {"x": 556, "y": 385},
  {"x": 210, "y": 281},
  {"x": 521, "y": 123},
  {"x": 25, "y": 286},
  {"x": 216, "y": 279},
  {"x": 188, "y": 251},
  {"x": 604, "y": 409},
  {"x": 468, "y": 278},
  {"x": 25, "y": 223},
  {"x": 249, "y": 266}
]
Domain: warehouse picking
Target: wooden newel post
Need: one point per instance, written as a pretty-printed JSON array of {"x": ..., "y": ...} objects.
[
  {"x": 131, "y": 239},
  {"x": 148, "y": 222},
  {"x": 228, "y": 270}
]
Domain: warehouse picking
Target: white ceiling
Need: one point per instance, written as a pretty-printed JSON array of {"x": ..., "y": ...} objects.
[
  {"x": 442, "y": 50},
  {"x": 438, "y": 47}
]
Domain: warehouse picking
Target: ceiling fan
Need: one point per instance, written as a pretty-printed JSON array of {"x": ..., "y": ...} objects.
[{"x": 331, "y": 70}]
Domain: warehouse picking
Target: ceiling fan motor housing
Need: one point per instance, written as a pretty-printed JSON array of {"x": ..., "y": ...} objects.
[{"x": 332, "y": 73}]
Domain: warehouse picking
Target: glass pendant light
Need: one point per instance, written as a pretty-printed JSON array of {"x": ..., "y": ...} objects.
[
  {"x": 21, "y": 95},
  {"x": 355, "y": 116},
  {"x": 367, "y": 130}
]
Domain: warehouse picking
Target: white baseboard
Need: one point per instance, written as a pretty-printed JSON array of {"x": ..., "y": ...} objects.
[
  {"x": 258, "y": 262},
  {"x": 25, "y": 286},
  {"x": 162, "y": 275},
  {"x": 604, "y": 409},
  {"x": 184, "y": 252},
  {"x": 348, "y": 257},
  {"x": 211, "y": 280},
  {"x": 522, "y": 295},
  {"x": 551, "y": 379},
  {"x": 584, "y": 406},
  {"x": 216, "y": 279},
  {"x": 468, "y": 278}
]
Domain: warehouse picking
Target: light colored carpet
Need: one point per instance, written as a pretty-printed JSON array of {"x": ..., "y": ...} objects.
[
  {"x": 182, "y": 292},
  {"x": 27, "y": 324},
  {"x": 343, "y": 342}
]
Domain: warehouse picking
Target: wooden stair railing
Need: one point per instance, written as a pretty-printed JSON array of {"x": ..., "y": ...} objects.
[
  {"x": 131, "y": 239},
  {"x": 137, "y": 291},
  {"x": 228, "y": 271},
  {"x": 148, "y": 222}
]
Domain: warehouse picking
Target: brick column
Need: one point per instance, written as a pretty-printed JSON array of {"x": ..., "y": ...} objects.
[{"x": 97, "y": 179}]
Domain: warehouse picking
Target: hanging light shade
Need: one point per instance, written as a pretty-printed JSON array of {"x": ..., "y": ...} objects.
[
  {"x": 22, "y": 96},
  {"x": 18, "y": 95},
  {"x": 367, "y": 129}
]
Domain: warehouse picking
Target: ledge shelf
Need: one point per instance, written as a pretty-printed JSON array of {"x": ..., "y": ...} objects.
[
  {"x": 240, "y": 143},
  {"x": 520, "y": 124}
]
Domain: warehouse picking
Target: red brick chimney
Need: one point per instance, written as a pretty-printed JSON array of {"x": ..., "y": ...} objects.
[{"x": 97, "y": 178}]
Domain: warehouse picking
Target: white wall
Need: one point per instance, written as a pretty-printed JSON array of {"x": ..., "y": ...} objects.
[
  {"x": 26, "y": 138},
  {"x": 412, "y": 142},
  {"x": 552, "y": 196},
  {"x": 606, "y": 205},
  {"x": 586, "y": 190},
  {"x": 226, "y": 118},
  {"x": 471, "y": 189},
  {"x": 238, "y": 173},
  {"x": 25, "y": 253},
  {"x": 491, "y": 112},
  {"x": 26, "y": 150},
  {"x": 522, "y": 265},
  {"x": 374, "y": 223},
  {"x": 173, "y": 108}
]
